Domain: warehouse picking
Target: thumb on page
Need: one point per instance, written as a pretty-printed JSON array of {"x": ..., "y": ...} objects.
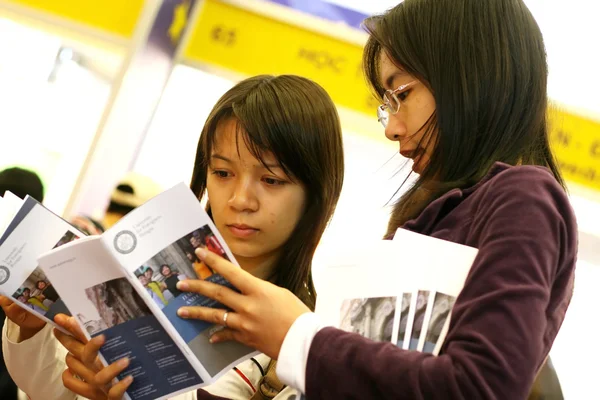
[{"x": 18, "y": 315}]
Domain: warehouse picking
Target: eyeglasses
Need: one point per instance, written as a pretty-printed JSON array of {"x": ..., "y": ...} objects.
[{"x": 391, "y": 103}]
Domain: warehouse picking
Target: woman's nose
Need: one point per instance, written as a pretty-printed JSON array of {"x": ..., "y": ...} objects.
[{"x": 395, "y": 129}]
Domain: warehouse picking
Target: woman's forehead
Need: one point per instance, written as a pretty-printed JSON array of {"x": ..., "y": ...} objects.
[
  {"x": 388, "y": 71},
  {"x": 230, "y": 145}
]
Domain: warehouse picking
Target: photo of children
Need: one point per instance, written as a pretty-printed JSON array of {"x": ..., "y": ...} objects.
[
  {"x": 178, "y": 261},
  {"x": 38, "y": 294},
  {"x": 419, "y": 319},
  {"x": 205, "y": 238},
  {"x": 156, "y": 289},
  {"x": 403, "y": 321},
  {"x": 116, "y": 302},
  {"x": 35, "y": 303},
  {"x": 370, "y": 317},
  {"x": 442, "y": 305}
]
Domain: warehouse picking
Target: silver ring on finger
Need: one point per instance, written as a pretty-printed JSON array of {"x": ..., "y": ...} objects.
[{"x": 225, "y": 318}]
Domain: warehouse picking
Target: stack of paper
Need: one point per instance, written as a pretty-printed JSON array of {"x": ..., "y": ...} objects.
[{"x": 400, "y": 291}]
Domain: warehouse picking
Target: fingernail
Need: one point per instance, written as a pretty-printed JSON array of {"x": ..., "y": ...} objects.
[
  {"x": 201, "y": 253},
  {"x": 213, "y": 339},
  {"x": 99, "y": 339},
  {"x": 181, "y": 285},
  {"x": 182, "y": 312},
  {"x": 123, "y": 362},
  {"x": 128, "y": 380}
]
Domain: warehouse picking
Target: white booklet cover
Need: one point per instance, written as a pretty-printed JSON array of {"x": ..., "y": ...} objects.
[
  {"x": 400, "y": 291},
  {"x": 30, "y": 229}
]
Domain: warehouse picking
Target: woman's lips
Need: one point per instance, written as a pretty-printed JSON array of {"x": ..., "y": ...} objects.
[{"x": 242, "y": 231}]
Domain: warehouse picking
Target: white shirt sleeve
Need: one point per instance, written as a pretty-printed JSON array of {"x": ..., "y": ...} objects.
[
  {"x": 36, "y": 365},
  {"x": 293, "y": 356},
  {"x": 232, "y": 386}
]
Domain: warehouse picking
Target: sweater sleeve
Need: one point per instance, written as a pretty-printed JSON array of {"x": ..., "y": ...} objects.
[
  {"x": 36, "y": 365},
  {"x": 504, "y": 320}
]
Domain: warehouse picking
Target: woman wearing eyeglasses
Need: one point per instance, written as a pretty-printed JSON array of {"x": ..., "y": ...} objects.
[{"x": 463, "y": 84}]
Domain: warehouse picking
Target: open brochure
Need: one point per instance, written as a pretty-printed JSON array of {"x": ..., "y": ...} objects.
[
  {"x": 28, "y": 230},
  {"x": 122, "y": 284},
  {"x": 400, "y": 291}
]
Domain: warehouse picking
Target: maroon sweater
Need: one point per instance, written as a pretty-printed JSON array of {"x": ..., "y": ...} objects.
[{"x": 504, "y": 320}]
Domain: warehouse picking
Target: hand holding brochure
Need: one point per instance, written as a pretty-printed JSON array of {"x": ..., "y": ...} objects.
[
  {"x": 122, "y": 284},
  {"x": 400, "y": 291}
]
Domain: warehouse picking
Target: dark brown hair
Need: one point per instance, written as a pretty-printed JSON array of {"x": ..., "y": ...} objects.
[
  {"x": 295, "y": 120},
  {"x": 484, "y": 61},
  {"x": 21, "y": 182}
]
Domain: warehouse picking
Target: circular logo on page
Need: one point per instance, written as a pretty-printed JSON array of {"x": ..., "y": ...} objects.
[
  {"x": 4, "y": 274},
  {"x": 125, "y": 242}
]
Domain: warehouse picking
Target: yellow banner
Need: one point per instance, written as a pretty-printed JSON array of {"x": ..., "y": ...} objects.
[
  {"x": 246, "y": 42},
  {"x": 118, "y": 17},
  {"x": 249, "y": 43},
  {"x": 576, "y": 144}
]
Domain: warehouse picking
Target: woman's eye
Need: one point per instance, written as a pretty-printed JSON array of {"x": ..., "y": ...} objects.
[
  {"x": 220, "y": 173},
  {"x": 402, "y": 96},
  {"x": 273, "y": 181}
]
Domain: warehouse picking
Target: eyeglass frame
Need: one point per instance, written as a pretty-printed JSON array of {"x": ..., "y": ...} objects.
[{"x": 384, "y": 110}]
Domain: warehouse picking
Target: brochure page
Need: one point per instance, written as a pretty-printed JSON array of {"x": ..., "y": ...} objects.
[
  {"x": 104, "y": 302},
  {"x": 443, "y": 279},
  {"x": 34, "y": 230},
  {"x": 363, "y": 287},
  {"x": 156, "y": 244},
  {"x": 9, "y": 205}
]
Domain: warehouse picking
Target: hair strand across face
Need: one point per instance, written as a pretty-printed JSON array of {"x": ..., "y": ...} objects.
[{"x": 485, "y": 64}]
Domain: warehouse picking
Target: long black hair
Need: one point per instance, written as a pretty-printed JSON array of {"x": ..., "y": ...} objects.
[
  {"x": 484, "y": 61},
  {"x": 294, "y": 119}
]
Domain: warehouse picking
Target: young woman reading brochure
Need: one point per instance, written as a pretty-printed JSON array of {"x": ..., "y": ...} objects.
[{"x": 270, "y": 160}]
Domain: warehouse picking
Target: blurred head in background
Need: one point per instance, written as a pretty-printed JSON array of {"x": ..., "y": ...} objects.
[
  {"x": 21, "y": 183},
  {"x": 132, "y": 191}
]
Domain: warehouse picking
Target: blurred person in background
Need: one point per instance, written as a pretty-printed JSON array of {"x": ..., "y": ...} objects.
[
  {"x": 131, "y": 191},
  {"x": 21, "y": 182}
]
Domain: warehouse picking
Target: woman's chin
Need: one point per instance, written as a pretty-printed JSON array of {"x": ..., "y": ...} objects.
[
  {"x": 244, "y": 250},
  {"x": 416, "y": 168},
  {"x": 419, "y": 164}
]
